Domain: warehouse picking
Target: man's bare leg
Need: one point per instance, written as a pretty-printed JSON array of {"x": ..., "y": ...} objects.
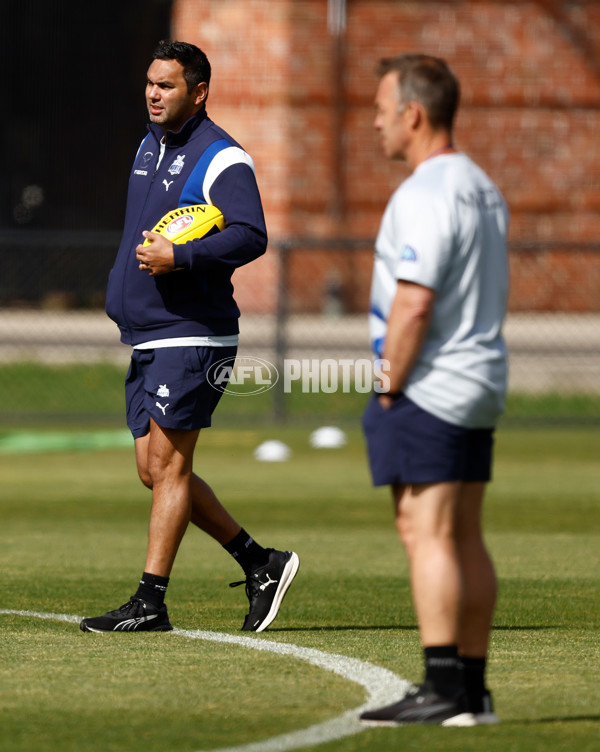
[
  {"x": 479, "y": 578},
  {"x": 207, "y": 512},
  {"x": 170, "y": 459},
  {"x": 426, "y": 524}
]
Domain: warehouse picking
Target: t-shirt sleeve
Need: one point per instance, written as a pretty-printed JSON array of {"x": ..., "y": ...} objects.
[{"x": 423, "y": 238}]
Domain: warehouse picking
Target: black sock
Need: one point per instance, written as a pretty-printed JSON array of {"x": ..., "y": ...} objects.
[
  {"x": 152, "y": 588},
  {"x": 474, "y": 679},
  {"x": 442, "y": 670},
  {"x": 246, "y": 551}
]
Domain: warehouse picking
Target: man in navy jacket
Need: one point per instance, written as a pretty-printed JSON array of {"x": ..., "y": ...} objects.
[{"x": 174, "y": 304}]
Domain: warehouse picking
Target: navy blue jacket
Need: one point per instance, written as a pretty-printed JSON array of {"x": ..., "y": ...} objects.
[{"x": 202, "y": 164}]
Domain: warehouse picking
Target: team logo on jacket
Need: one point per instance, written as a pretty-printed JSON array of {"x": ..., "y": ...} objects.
[
  {"x": 144, "y": 163},
  {"x": 177, "y": 165},
  {"x": 163, "y": 391}
]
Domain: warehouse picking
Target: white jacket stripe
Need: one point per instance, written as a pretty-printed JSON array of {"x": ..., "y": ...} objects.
[{"x": 221, "y": 161}]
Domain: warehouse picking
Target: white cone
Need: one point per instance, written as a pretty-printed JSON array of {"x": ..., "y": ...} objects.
[
  {"x": 272, "y": 451},
  {"x": 327, "y": 437}
]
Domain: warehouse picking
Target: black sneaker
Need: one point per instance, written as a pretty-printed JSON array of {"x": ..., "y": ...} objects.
[
  {"x": 265, "y": 588},
  {"x": 483, "y": 710},
  {"x": 422, "y": 705},
  {"x": 134, "y": 616}
]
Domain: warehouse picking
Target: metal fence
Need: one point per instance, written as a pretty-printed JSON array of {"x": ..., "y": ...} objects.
[
  {"x": 554, "y": 354},
  {"x": 60, "y": 357}
]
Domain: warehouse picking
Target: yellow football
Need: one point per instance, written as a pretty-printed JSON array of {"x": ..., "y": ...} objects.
[{"x": 189, "y": 223}]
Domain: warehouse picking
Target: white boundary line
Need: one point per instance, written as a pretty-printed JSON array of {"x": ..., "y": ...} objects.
[{"x": 381, "y": 685}]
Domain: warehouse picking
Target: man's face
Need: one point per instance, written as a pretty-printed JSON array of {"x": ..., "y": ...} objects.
[
  {"x": 390, "y": 117},
  {"x": 167, "y": 98}
]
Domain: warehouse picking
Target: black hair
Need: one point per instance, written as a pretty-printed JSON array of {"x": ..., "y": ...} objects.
[
  {"x": 428, "y": 80},
  {"x": 196, "y": 68}
]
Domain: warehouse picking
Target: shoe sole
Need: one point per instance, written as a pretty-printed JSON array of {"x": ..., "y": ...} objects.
[
  {"x": 462, "y": 720},
  {"x": 85, "y": 628},
  {"x": 289, "y": 572},
  {"x": 472, "y": 719}
]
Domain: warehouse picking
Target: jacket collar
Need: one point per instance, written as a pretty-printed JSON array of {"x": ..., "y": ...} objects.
[{"x": 184, "y": 134}]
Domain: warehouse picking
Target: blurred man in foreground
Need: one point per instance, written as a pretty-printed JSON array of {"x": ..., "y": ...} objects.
[{"x": 438, "y": 302}]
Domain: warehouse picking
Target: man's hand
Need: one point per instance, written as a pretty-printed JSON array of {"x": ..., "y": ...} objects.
[
  {"x": 385, "y": 400},
  {"x": 156, "y": 258}
]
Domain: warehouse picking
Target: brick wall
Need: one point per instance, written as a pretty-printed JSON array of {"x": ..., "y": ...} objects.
[{"x": 301, "y": 101}]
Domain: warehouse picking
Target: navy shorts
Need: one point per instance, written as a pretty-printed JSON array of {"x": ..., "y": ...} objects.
[
  {"x": 408, "y": 445},
  {"x": 169, "y": 385}
]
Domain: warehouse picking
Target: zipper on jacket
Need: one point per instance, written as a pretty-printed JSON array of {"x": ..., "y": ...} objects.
[
  {"x": 161, "y": 155},
  {"x": 142, "y": 211}
]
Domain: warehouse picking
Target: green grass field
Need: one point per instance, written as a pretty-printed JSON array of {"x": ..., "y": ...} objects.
[
  {"x": 72, "y": 541},
  {"x": 79, "y": 393}
]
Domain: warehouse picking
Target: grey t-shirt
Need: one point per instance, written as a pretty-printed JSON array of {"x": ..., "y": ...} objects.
[{"x": 445, "y": 228}]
